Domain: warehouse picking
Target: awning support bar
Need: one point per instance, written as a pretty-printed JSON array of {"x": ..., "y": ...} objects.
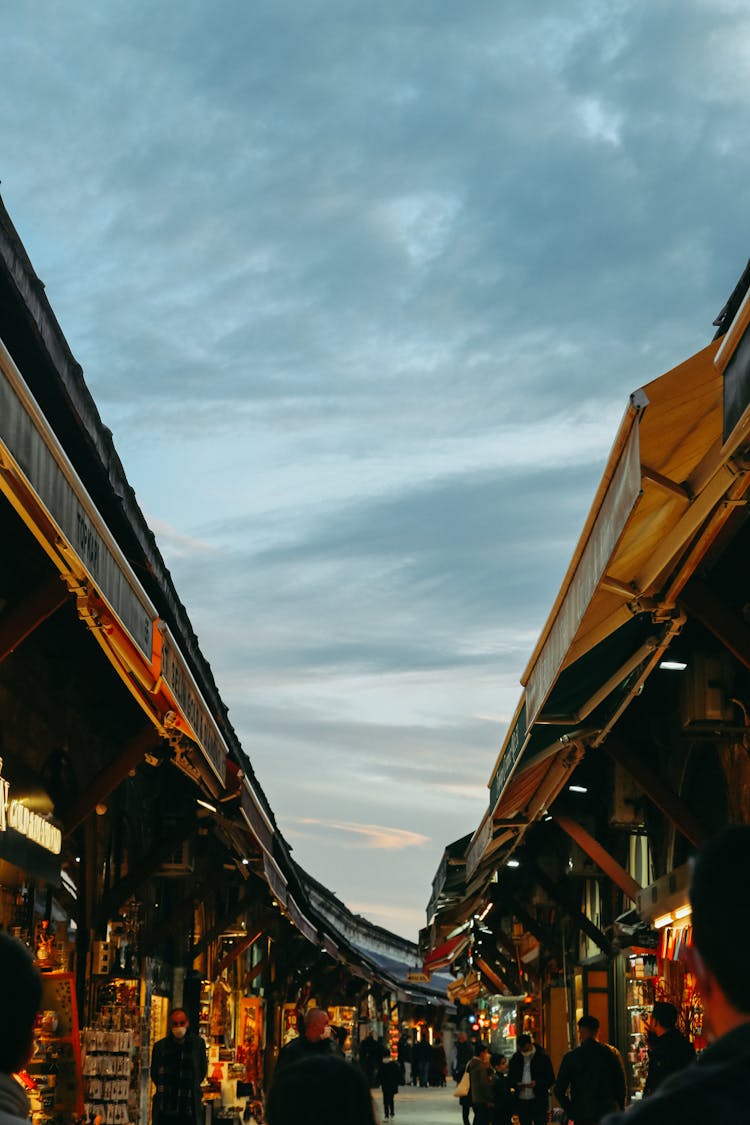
[
  {"x": 701, "y": 602},
  {"x": 667, "y": 801},
  {"x": 21, "y": 621},
  {"x": 600, "y": 856}
]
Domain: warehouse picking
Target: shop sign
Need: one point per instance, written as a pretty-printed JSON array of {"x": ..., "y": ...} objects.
[
  {"x": 40, "y": 459},
  {"x": 421, "y": 978},
  {"x": 736, "y": 384},
  {"x": 509, "y": 760},
  {"x": 14, "y": 814},
  {"x": 191, "y": 704},
  {"x": 617, "y": 506}
]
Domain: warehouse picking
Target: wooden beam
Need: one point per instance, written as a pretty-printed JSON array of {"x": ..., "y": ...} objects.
[
  {"x": 555, "y": 890},
  {"x": 110, "y": 777},
  {"x": 701, "y": 602},
  {"x": 255, "y": 971},
  {"x": 657, "y": 791},
  {"x": 20, "y": 622},
  {"x": 601, "y": 857},
  {"x": 148, "y": 866},
  {"x": 248, "y": 896},
  {"x": 153, "y": 936},
  {"x": 666, "y": 483},
  {"x": 239, "y": 947}
]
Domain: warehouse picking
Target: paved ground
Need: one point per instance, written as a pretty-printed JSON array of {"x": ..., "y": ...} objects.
[{"x": 427, "y": 1106}]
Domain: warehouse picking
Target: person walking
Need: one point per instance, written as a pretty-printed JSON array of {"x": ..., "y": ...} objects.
[
  {"x": 370, "y": 1057},
  {"x": 316, "y": 1040},
  {"x": 531, "y": 1075},
  {"x": 591, "y": 1080},
  {"x": 178, "y": 1066},
  {"x": 716, "y": 1087},
  {"x": 404, "y": 1058},
  {"x": 481, "y": 1075},
  {"x": 421, "y": 1055},
  {"x": 503, "y": 1102},
  {"x": 21, "y": 990},
  {"x": 463, "y": 1053},
  {"x": 438, "y": 1063},
  {"x": 390, "y": 1079},
  {"x": 669, "y": 1050}
]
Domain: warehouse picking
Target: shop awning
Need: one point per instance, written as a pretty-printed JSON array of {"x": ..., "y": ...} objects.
[
  {"x": 667, "y": 474},
  {"x": 662, "y": 495},
  {"x": 493, "y": 978},
  {"x": 446, "y": 953}
]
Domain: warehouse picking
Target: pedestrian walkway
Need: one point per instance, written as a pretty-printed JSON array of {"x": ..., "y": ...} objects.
[{"x": 429, "y": 1105}]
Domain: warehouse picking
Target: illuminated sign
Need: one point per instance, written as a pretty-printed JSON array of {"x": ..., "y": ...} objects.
[{"x": 14, "y": 814}]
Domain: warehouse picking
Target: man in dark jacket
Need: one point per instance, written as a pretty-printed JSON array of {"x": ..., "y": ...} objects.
[
  {"x": 669, "y": 1050},
  {"x": 421, "y": 1055},
  {"x": 481, "y": 1076},
  {"x": 178, "y": 1066},
  {"x": 464, "y": 1053},
  {"x": 316, "y": 1040},
  {"x": 716, "y": 1087},
  {"x": 390, "y": 1080},
  {"x": 530, "y": 1075},
  {"x": 591, "y": 1081}
]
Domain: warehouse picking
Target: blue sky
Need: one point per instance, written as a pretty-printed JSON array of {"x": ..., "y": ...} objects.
[{"x": 361, "y": 291}]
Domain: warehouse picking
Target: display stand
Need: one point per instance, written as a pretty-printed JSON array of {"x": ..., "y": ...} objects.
[
  {"x": 112, "y": 1053},
  {"x": 640, "y": 994},
  {"x": 56, "y": 1066}
]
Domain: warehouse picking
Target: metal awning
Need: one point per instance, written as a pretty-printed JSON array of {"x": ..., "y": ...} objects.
[
  {"x": 446, "y": 953},
  {"x": 667, "y": 473},
  {"x": 662, "y": 498}
]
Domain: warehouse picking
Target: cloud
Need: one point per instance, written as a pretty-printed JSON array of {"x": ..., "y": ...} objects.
[
  {"x": 373, "y": 835},
  {"x": 174, "y": 543},
  {"x": 362, "y": 291}
]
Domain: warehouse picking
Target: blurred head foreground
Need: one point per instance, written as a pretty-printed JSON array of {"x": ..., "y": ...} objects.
[
  {"x": 317, "y": 1091},
  {"x": 21, "y": 990},
  {"x": 721, "y": 915}
]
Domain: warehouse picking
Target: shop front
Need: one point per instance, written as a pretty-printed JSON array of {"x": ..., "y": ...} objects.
[{"x": 658, "y": 972}]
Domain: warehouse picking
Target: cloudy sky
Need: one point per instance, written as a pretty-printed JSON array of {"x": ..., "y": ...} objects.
[{"x": 361, "y": 290}]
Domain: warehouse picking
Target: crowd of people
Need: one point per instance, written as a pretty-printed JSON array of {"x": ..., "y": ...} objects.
[{"x": 315, "y": 1084}]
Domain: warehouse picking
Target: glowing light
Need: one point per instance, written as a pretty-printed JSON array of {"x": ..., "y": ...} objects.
[{"x": 663, "y": 920}]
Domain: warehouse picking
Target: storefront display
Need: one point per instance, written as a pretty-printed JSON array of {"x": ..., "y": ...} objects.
[
  {"x": 55, "y": 1069},
  {"x": 112, "y": 1055},
  {"x": 342, "y": 1019},
  {"x": 640, "y": 993},
  {"x": 251, "y": 1040},
  {"x": 289, "y": 1029}
]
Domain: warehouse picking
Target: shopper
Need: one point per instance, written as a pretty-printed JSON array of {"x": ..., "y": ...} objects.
[
  {"x": 503, "y": 1102},
  {"x": 178, "y": 1066},
  {"x": 318, "y": 1090},
  {"x": 21, "y": 989},
  {"x": 481, "y": 1075},
  {"x": 462, "y": 1055},
  {"x": 370, "y": 1057},
  {"x": 404, "y": 1058},
  {"x": 591, "y": 1080},
  {"x": 716, "y": 1087},
  {"x": 531, "y": 1074},
  {"x": 316, "y": 1039},
  {"x": 421, "y": 1056},
  {"x": 669, "y": 1050},
  {"x": 390, "y": 1080},
  {"x": 438, "y": 1063}
]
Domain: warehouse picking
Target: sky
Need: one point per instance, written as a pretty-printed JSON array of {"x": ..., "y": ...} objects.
[{"x": 362, "y": 290}]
